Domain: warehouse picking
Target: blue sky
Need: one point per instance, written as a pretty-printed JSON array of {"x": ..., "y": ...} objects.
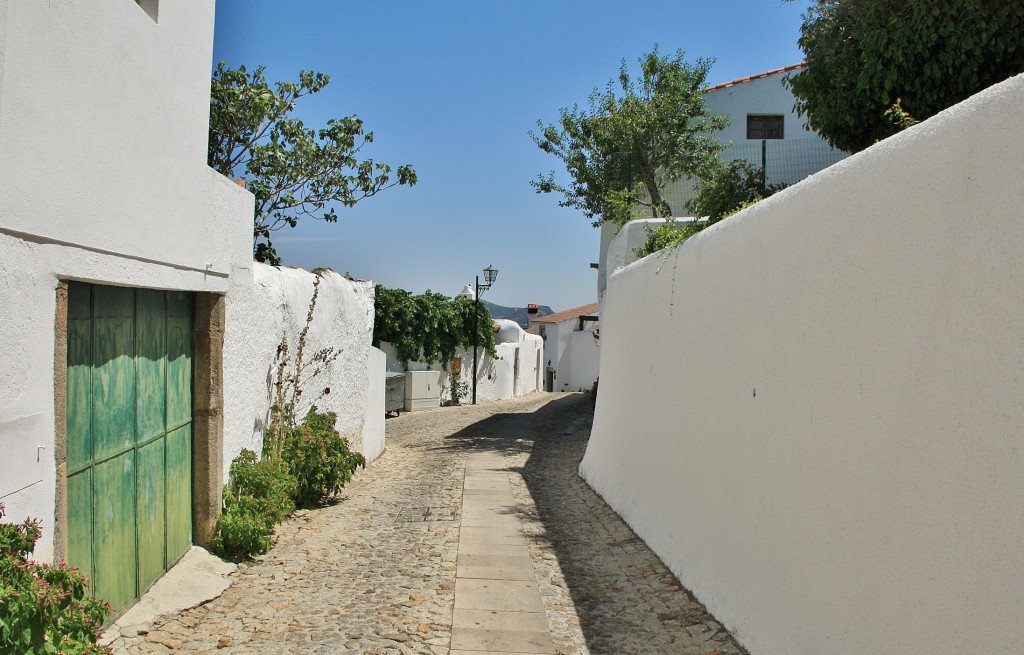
[{"x": 452, "y": 88}]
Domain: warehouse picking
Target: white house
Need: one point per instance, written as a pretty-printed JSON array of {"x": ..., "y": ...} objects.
[
  {"x": 118, "y": 244},
  {"x": 764, "y": 129},
  {"x": 571, "y": 355}
]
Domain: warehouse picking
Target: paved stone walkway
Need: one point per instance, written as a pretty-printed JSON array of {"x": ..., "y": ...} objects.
[{"x": 472, "y": 534}]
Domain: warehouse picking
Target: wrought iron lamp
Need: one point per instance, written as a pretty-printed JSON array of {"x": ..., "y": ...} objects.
[{"x": 490, "y": 275}]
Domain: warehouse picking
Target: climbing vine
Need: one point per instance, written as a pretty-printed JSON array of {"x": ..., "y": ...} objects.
[{"x": 430, "y": 327}]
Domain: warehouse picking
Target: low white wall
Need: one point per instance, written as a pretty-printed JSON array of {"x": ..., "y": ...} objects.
[
  {"x": 274, "y": 304},
  {"x": 373, "y": 422},
  {"x": 586, "y": 359},
  {"x": 813, "y": 413}
]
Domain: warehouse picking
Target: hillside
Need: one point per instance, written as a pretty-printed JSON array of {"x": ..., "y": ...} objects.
[{"x": 517, "y": 314}]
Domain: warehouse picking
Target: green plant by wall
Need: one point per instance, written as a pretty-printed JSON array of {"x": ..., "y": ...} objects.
[
  {"x": 668, "y": 235},
  {"x": 303, "y": 463},
  {"x": 729, "y": 189},
  {"x": 289, "y": 378},
  {"x": 319, "y": 457},
  {"x": 259, "y": 495},
  {"x": 44, "y": 609},
  {"x": 430, "y": 327}
]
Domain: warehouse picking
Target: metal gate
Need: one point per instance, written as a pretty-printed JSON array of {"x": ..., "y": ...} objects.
[{"x": 129, "y": 443}]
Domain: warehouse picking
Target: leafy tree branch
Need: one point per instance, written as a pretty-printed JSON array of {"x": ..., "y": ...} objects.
[{"x": 293, "y": 170}]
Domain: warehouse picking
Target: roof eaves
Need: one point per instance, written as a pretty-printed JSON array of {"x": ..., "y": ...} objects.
[{"x": 755, "y": 76}]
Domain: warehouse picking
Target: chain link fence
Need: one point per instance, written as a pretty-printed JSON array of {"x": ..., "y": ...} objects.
[{"x": 784, "y": 161}]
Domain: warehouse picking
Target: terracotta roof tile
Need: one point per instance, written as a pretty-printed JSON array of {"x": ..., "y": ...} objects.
[
  {"x": 756, "y": 76},
  {"x": 567, "y": 315}
]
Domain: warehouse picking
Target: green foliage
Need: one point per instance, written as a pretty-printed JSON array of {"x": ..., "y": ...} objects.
[
  {"x": 258, "y": 496},
  {"x": 294, "y": 171},
  {"x": 44, "y": 609},
  {"x": 865, "y": 55},
  {"x": 636, "y": 136},
  {"x": 242, "y": 530},
  {"x": 268, "y": 481},
  {"x": 431, "y": 326},
  {"x": 728, "y": 188},
  {"x": 320, "y": 458},
  {"x": 668, "y": 235},
  {"x": 899, "y": 116},
  {"x": 302, "y": 464}
]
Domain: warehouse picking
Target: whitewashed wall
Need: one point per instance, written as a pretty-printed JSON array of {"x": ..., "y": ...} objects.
[
  {"x": 373, "y": 421},
  {"x": 259, "y": 315},
  {"x": 813, "y": 413},
  {"x": 103, "y": 179},
  {"x": 586, "y": 359}
]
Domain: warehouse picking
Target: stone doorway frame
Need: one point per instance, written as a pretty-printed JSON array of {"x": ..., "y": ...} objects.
[{"x": 207, "y": 417}]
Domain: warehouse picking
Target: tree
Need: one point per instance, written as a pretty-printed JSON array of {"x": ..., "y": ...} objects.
[
  {"x": 294, "y": 171},
  {"x": 866, "y": 56},
  {"x": 636, "y": 136},
  {"x": 724, "y": 191}
]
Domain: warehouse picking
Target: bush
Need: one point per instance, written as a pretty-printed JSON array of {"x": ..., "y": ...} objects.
[
  {"x": 44, "y": 608},
  {"x": 258, "y": 496},
  {"x": 668, "y": 235},
  {"x": 319, "y": 458},
  {"x": 732, "y": 187},
  {"x": 268, "y": 481}
]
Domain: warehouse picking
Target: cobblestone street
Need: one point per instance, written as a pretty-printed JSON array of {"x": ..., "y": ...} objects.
[{"x": 376, "y": 572}]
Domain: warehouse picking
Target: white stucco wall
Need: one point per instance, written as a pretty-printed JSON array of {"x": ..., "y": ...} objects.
[
  {"x": 274, "y": 304},
  {"x": 586, "y": 358},
  {"x": 766, "y": 95},
  {"x": 103, "y": 178},
  {"x": 373, "y": 422},
  {"x": 824, "y": 440},
  {"x": 103, "y": 130},
  {"x": 623, "y": 245}
]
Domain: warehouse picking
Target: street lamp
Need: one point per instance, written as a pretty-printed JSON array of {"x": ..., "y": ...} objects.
[{"x": 490, "y": 275}]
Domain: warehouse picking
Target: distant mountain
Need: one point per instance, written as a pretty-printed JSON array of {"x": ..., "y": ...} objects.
[{"x": 517, "y": 314}]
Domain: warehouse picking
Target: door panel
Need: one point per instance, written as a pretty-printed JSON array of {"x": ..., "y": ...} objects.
[
  {"x": 150, "y": 512},
  {"x": 129, "y": 427},
  {"x": 114, "y": 548},
  {"x": 150, "y": 361},
  {"x": 179, "y": 492}
]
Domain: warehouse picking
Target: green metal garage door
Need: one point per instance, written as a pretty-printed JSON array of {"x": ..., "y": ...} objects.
[{"x": 129, "y": 432}]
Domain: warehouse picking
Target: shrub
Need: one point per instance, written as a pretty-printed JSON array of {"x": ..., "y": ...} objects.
[
  {"x": 44, "y": 608},
  {"x": 669, "y": 234},
  {"x": 258, "y": 496},
  {"x": 319, "y": 458},
  {"x": 734, "y": 185}
]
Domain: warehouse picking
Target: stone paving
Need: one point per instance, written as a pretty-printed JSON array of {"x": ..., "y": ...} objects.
[{"x": 400, "y": 563}]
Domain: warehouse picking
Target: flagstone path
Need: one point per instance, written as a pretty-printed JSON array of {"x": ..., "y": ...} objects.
[{"x": 472, "y": 534}]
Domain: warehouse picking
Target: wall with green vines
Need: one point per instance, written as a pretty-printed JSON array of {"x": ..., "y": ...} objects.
[{"x": 430, "y": 327}]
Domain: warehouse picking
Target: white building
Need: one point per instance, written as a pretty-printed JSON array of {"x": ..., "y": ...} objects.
[
  {"x": 764, "y": 129},
  {"x": 118, "y": 244},
  {"x": 571, "y": 341}
]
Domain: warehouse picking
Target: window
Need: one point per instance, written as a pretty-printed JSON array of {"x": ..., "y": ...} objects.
[{"x": 764, "y": 127}]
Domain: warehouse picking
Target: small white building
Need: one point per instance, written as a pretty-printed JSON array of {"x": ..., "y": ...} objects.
[
  {"x": 571, "y": 341},
  {"x": 118, "y": 245}
]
